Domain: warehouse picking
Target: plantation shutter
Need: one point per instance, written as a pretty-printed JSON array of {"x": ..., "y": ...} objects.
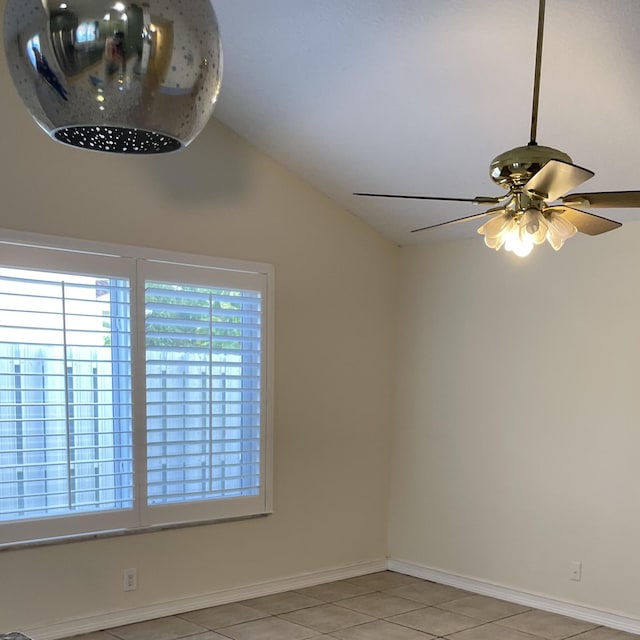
[
  {"x": 205, "y": 418},
  {"x": 135, "y": 389},
  {"x": 66, "y": 455}
]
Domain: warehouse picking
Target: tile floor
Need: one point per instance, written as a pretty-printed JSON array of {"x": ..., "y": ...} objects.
[{"x": 378, "y": 606}]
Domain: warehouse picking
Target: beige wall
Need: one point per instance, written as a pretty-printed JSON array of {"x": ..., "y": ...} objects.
[
  {"x": 518, "y": 439},
  {"x": 335, "y": 284},
  {"x": 517, "y": 436}
]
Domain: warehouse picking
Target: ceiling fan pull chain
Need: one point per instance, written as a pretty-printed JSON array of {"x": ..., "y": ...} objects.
[{"x": 536, "y": 78}]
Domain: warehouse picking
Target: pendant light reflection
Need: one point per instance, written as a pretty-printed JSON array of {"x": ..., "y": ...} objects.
[
  {"x": 520, "y": 232},
  {"x": 118, "y": 76}
]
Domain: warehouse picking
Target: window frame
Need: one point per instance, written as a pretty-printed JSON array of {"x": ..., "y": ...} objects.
[{"x": 138, "y": 264}]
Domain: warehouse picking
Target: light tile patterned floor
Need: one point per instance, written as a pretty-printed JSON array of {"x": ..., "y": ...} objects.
[{"x": 379, "y": 606}]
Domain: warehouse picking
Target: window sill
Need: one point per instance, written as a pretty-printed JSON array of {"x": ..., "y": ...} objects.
[{"x": 117, "y": 533}]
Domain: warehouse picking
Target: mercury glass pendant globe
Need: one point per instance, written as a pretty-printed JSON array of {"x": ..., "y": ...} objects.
[{"x": 118, "y": 76}]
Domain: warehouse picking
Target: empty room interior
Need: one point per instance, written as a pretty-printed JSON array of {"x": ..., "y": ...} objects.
[{"x": 430, "y": 429}]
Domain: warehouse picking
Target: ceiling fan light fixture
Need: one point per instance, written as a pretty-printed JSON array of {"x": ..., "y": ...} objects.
[
  {"x": 495, "y": 230},
  {"x": 520, "y": 232},
  {"x": 507, "y": 230},
  {"x": 533, "y": 223},
  {"x": 521, "y": 244},
  {"x": 134, "y": 76},
  {"x": 559, "y": 230}
]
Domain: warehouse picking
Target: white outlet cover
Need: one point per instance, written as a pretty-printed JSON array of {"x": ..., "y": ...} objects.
[{"x": 575, "y": 571}]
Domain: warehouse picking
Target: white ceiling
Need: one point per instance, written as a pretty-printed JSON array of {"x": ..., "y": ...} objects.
[{"x": 418, "y": 96}]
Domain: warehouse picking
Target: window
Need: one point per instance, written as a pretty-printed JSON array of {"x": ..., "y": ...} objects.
[{"x": 134, "y": 391}]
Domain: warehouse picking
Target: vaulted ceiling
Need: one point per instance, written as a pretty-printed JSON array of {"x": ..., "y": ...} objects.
[{"x": 418, "y": 96}]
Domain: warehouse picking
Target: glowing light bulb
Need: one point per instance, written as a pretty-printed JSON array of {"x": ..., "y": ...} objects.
[{"x": 519, "y": 243}]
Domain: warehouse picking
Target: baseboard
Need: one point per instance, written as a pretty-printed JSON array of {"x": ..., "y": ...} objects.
[
  {"x": 224, "y": 596},
  {"x": 580, "y": 612}
]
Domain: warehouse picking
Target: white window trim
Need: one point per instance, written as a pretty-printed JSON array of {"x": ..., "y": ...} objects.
[{"x": 16, "y": 249}]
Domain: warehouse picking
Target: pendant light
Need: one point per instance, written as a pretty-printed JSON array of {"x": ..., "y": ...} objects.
[{"x": 118, "y": 76}]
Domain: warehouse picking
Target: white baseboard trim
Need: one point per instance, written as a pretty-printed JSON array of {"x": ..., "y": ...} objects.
[
  {"x": 580, "y": 612},
  {"x": 224, "y": 596}
]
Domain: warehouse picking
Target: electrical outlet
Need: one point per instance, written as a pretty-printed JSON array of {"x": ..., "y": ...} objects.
[
  {"x": 129, "y": 579},
  {"x": 575, "y": 571}
]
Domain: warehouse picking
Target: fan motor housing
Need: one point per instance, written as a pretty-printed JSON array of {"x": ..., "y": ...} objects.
[{"x": 517, "y": 166}]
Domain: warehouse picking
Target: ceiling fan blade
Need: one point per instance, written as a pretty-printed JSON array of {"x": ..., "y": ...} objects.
[
  {"x": 476, "y": 216},
  {"x": 604, "y": 199},
  {"x": 585, "y": 222},
  {"x": 556, "y": 178},
  {"x": 476, "y": 200}
]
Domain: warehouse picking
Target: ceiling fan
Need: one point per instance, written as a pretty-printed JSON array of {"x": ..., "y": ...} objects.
[{"x": 536, "y": 178}]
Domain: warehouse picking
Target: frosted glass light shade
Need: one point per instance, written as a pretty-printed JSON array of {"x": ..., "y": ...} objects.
[
  {"x": 519, "y": 232},
  {"x": 118, "y": 76},
  {"x": 534, "y": 224},
  {"x": 560, "y": 229}
]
